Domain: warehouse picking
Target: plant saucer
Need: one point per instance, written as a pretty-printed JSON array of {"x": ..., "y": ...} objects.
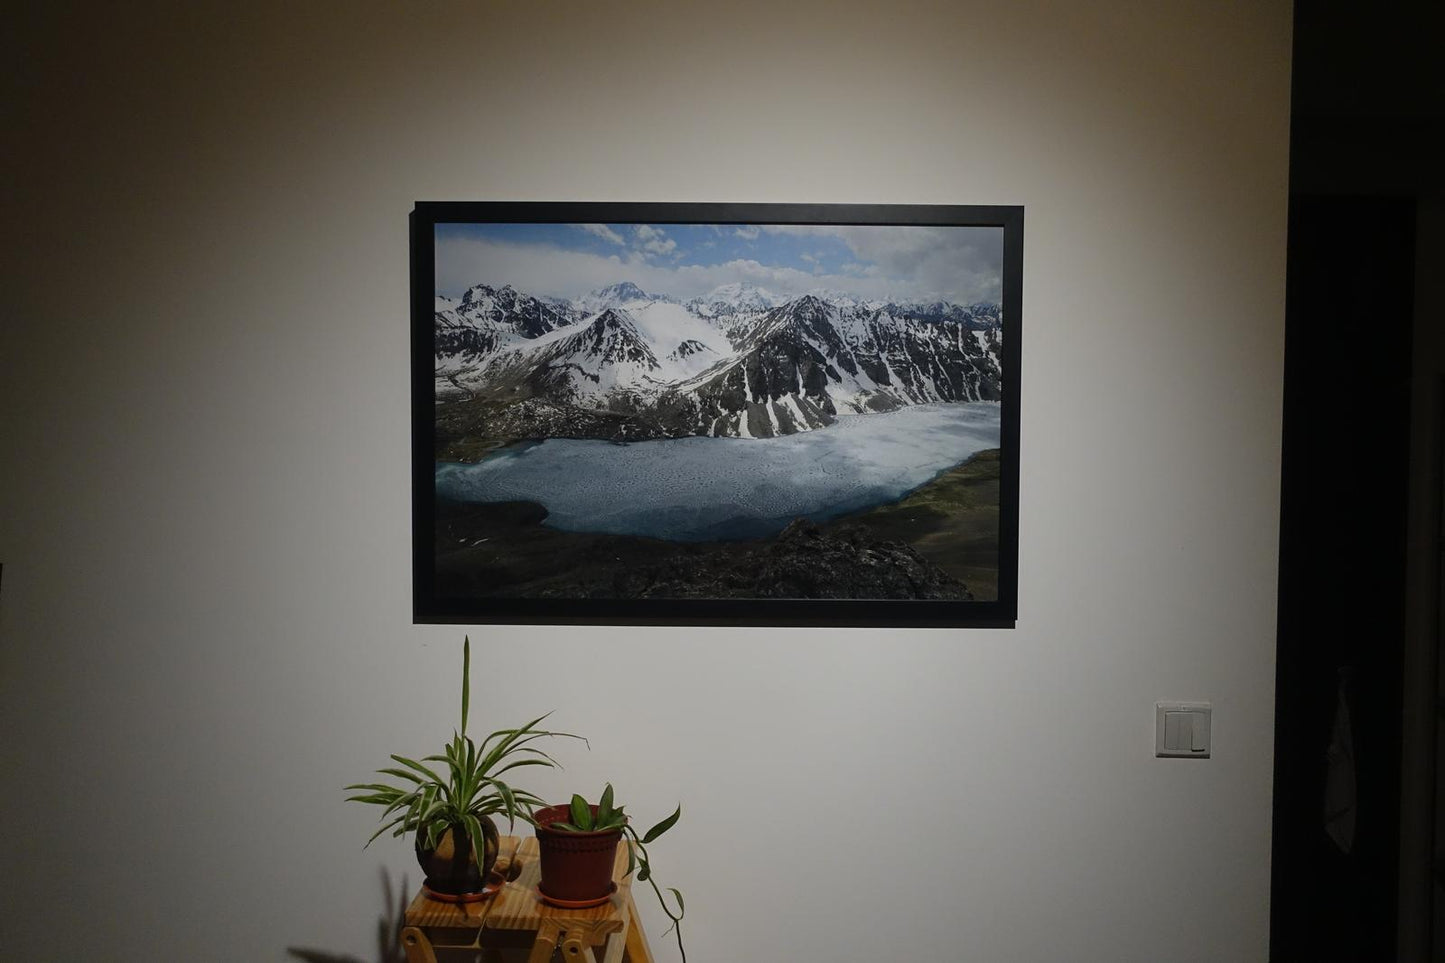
[
  {"x": 576, "y": 903},
  {"x": 495, "y": 881}
]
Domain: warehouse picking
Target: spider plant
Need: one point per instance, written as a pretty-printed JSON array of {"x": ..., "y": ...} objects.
[
  {"x": 464, "y": 789},
  {"x": 607, "y": 816}
]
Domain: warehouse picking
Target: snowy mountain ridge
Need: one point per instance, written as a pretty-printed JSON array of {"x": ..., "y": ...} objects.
[{"x": 738, "y": 362}]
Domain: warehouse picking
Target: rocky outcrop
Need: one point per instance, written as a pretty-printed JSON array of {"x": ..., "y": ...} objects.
[{"x": 802, "y": 563}]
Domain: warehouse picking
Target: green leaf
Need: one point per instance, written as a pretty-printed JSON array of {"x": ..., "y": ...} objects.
[
  {"x": 581, "y": 813},
  {"x": 479, "y": 841},
  {"x": 508, "y": 732},
  {"x": 466, "y": 678},
  {"x": 402, "y": 801},
  {"x": 644, "y": 872},
  {"x": 681, "y": 910},
  {"x": 663, "y": 826},
  {"x": 461, "y": 781},
  {"x": 382, "y": 830},
  {"x": 401, "y": 774},
  {"x": 523, "y": 762},
  {"x": 566, "y": 827},
  {"x": 511, "y": 740},
  {"x": 508, "y": 738},
  {"x": 507, "y": 798},
  {"x": 371, "y": 786},
  {"x": 523, "y": 745},
  {"x": 413, "y": 764},
  {"x": 604, "y": 807},
  {"x": 518, "y": 750},
  {"x": 528, "y": 800},
  {"x": 631, "y": 860}
]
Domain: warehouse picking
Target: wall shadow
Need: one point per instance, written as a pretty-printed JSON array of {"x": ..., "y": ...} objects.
[{"x": 388, "y": 930}]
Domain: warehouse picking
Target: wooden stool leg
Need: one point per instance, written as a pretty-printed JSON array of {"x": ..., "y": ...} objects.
[
  {"x": 616, "y": 945},
  {"x": 547, "y": 935},
  {"x": 418, "y": 947},
  {"x": 637, "y": 949},
  {"x": 576, "y": 948}
]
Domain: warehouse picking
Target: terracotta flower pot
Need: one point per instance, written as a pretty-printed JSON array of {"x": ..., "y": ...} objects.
[
  {"x": 576, "y": 867},
  {"x": 451, "y": 869}
]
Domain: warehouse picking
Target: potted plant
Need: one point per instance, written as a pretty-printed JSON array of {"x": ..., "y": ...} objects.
[
  {"x": 449, "y": 807},
  {"x": 577, "y": 847}
]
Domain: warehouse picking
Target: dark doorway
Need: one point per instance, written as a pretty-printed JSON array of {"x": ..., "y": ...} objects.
[
  {"x": 1365, "y": 335},
  {"x": 1349, "y": 316}
]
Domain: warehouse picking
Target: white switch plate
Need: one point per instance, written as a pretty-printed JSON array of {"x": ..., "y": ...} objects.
[{"x": 1182, "y": 729}]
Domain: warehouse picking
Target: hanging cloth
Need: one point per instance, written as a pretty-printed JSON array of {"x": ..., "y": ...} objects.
[{"x": 1340, "y": 788}]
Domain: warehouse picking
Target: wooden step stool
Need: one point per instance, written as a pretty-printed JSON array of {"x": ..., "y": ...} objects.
[{"x": 517, "y": 912}]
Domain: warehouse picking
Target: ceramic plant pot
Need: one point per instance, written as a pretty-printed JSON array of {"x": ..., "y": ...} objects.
[
  {"x": 451, "y": 869},
  {"x": 576, "y": 867}
]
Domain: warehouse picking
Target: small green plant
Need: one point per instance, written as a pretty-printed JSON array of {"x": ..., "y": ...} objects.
[
  {"x": 428, "y": 803},
  {"x": 608, "y": 817}
]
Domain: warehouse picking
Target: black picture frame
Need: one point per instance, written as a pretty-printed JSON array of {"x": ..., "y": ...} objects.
[{"x": 432, "y": 605}]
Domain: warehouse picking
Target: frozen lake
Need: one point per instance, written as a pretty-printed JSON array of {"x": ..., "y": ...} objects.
[{"x": 706, "y": 489}]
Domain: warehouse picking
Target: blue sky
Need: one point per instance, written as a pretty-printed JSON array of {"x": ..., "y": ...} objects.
[{"x": 687, "y": 260}]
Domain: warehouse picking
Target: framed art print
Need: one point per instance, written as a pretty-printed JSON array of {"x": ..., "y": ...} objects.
[{"x": 744, "y": 414}]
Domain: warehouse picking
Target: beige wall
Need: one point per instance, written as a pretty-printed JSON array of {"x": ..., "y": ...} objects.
[{"x": 204, "y": 513}]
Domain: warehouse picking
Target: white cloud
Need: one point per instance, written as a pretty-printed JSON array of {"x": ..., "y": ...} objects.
[
  {"x": 959, "y": 262},
  {"x": 545, "y": 270},
  {"x": 893, "y": 263},
  {"x": 748, "y": 232},
  {"x": 604, "y": 232},
  {"x": 652, "y": 241}
]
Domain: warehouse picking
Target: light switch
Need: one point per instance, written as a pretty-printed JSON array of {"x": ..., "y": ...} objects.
[
  {"x": 1178, "y": 731},
  {"x": 1201, "y": 731},
  {"x": 1182, "y": 729}
]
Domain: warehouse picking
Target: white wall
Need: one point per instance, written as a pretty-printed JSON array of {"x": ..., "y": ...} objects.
[{"x": 204, "y": 510}]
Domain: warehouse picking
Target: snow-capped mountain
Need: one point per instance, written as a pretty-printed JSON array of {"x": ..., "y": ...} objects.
[
  {"x": 731, "y": 300},
  {"x": 484, "y": 319},
  {"x": 804, "y": 362},
  {"x": 975, "y": 317},
  {"x": 615, "y": 295},
  {"x": 842, "y": 299},
  {"x": 580, "y": 364},
  {"x": 985, "y": 314},
  {"x": 730, "y": 364}
]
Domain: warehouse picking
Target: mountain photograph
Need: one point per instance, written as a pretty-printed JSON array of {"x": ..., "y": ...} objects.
[{"x": 717, "y": 411}]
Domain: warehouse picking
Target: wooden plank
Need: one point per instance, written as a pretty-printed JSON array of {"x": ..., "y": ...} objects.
[
  {"x": 519, "y": 906},
  {"x": 637, "y": 949},
  {"x": 616, "y": 945},
  {"x": 424, "y": 911}
]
